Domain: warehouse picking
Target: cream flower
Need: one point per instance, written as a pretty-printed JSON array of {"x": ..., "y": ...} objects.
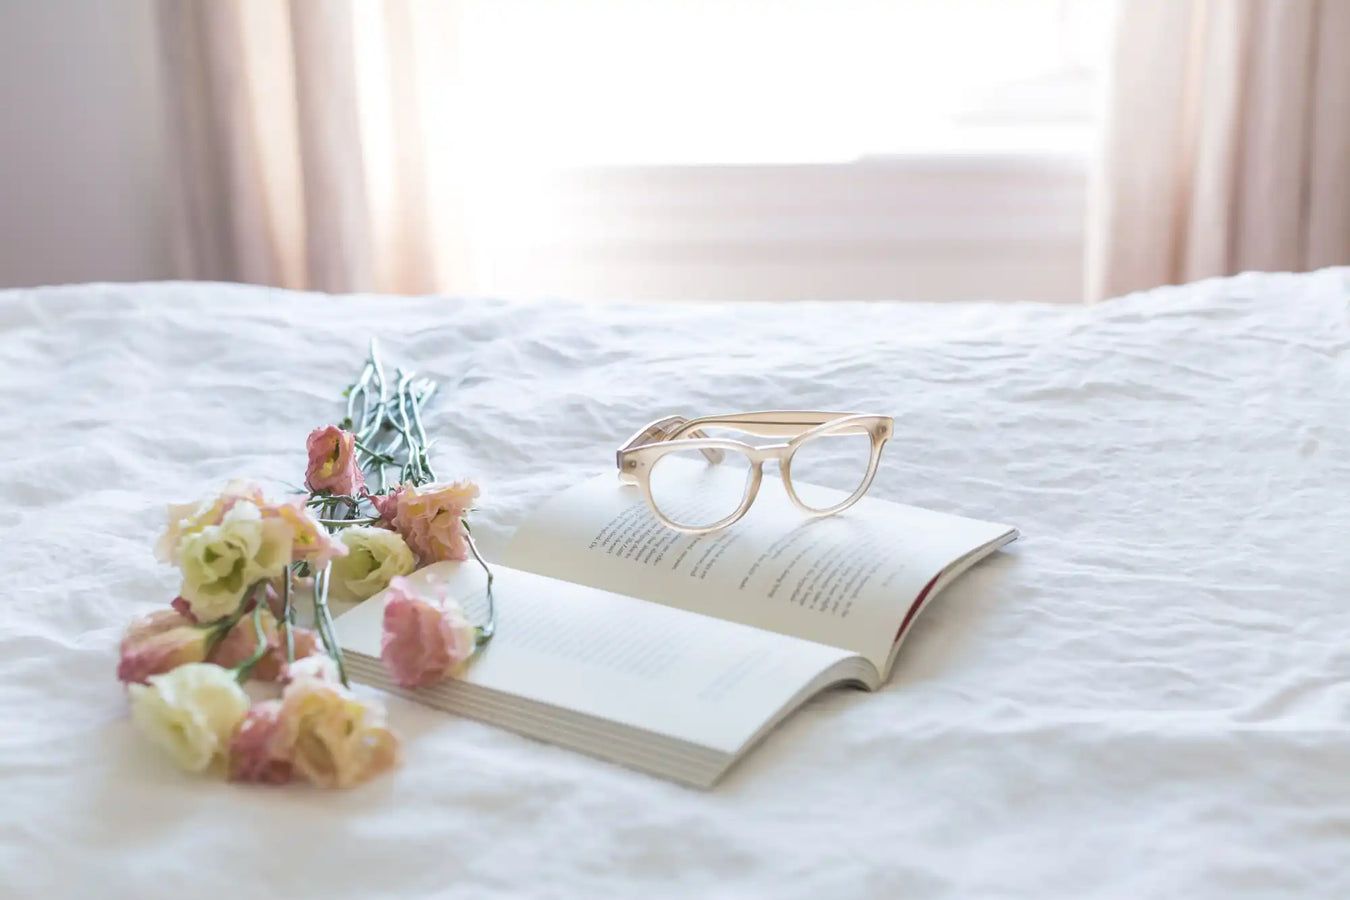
[
  {"x": 191, "y": 712},
  {"x": 336, "y": 740},
  {"x": 374, "y": 557},
  {"x": 311, "y": 542},
  {"x": 221, "y": 562},
  {"x": 190, "y": 518}
]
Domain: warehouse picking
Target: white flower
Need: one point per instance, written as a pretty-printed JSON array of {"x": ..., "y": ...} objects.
[
  {"x": 375, "y": 555},
  {"x": 221, "y": 562},
  {"x": 190, "y": 712},
  {"x": 319, "y": 666},
  {"x": 188, "y": 518},
  {"x": 183, "y": 519}
]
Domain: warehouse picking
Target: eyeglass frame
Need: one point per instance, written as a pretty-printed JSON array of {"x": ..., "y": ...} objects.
[{"x": 640, "y": 453}]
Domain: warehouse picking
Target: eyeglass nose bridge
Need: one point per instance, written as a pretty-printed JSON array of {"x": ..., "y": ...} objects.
[
  {"x": 758, "y": 456},
  {"x": 768, "y": 453}
]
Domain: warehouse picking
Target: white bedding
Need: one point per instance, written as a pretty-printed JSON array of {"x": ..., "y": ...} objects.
[{"x": 1148, "y": 695}]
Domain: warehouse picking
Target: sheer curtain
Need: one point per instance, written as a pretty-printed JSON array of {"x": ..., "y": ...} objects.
[
  {"x": 311, "y": 143},
  {"x": 1227, "y": 144}
]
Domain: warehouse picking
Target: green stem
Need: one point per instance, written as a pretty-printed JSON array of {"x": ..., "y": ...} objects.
[
  {"x": 373, "y": 454},
  {"x": 325, "y": 622},
  {"x": 343, "y": 523},
  {"x": 400, "y": 422},
  {"x": 322, "y": 499},
  {"x": 484, "y": 632},
  {"x": 222, "y": 628},
  {"x": 380, "y": 380},
  {"x": 371, "y": 417},
  {"x": 426, "y": 389},
  {"x": 288, "y": 616},
  {"x": 241, "y": 671},
  {"x": 322, "y": 617},
  {"x": 358, "y": 388}
]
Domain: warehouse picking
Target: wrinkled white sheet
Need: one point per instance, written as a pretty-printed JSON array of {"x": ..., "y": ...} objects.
[{"x": 1148, "y": 695}]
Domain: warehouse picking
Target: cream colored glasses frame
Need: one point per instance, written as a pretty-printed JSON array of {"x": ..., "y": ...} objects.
[{"x": 639, "y": 455}]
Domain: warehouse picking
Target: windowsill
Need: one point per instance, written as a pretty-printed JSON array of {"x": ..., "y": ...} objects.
[{"x": 995, "y": 225}]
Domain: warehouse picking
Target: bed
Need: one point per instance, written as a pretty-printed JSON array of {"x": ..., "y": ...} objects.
[{"x": 1148, "y": 695}]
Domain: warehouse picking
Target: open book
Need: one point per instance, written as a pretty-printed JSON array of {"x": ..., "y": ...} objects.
[{"x": 673, "y": 653}]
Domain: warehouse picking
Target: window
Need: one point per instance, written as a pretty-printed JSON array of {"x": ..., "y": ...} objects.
[{"x": 744, "y": 149}]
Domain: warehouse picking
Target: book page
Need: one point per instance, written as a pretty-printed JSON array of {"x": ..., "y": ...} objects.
[
  {"x": 667, "y": 671},
  {"x": 847, "y": 580}
]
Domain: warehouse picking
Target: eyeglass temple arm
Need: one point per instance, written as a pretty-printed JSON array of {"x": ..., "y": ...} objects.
[
  {"x": 786, "y": 424},
  {"x": 663, "y": 429}
]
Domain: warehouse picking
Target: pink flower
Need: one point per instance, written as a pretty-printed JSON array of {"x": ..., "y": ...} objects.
[
  {"x": 241, "y": 642},
  {"x": 310, "y": 541},
  {"x": 259, "y": 750},
  {"x": 386, "y": 505},
  {"x": 423, "y": 640},
  {"x": 305, "y": 641},
  {"x": 276, "y": 604},
  {"x": 332, "y": 461},
  {"x": 430, "y": 518},
  {"x": 159, "y": 643}
]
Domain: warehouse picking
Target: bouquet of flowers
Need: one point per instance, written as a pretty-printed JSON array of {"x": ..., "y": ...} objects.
[{"x": 371, "y": 514}]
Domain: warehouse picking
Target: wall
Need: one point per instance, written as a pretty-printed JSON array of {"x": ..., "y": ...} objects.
[{"x": 83, "y": 195}]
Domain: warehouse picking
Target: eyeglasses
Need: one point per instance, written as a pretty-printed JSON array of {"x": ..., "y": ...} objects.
[{"x": 697, "y": 483}]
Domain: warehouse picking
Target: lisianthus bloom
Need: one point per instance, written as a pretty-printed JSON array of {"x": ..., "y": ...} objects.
[
  {"x": 430, "y": 518},
  {"x": 273, "y": 596},
  {"x": 423, "y": 640},
  {"x": 374, "y": 556},
  {"x": 304, "y": 641},
  {"x": 221, "y": 562},
  {"x": 310, "y": 541},
  {"x": 158, "y": 643},
  {"x": 337, "y": 740},
  {"x": 240, "y": 644},
  {"x": 189, "y": 518},
  {"x": 332, "y": 461},
  {"x": 258, "y": 750},
  {"x": 190, "y": 712}
]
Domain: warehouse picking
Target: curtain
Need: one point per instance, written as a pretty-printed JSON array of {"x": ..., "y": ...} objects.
[
  {"x": 1227, "y": 145},
  {"x": 302, "y": 135}
]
